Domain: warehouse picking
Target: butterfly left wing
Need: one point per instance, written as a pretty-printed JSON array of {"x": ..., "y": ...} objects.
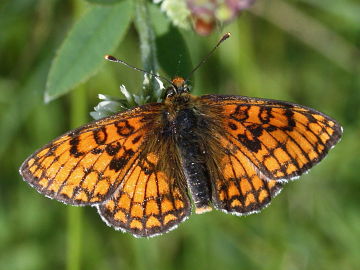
[
  {"x": 86, "y": 165},
  {"x": 115, "y": 164},
  {"x": 151, "y": 199}
]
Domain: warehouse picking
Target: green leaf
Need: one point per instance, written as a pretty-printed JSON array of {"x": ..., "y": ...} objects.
[
  {"x": 104, "y": 2},
  {"x": 160, "y": 21},
  {"x": 173, "y": 54},
  {"x": 98, "y": 32}
]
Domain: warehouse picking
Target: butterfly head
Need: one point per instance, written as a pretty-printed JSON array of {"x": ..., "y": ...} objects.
[{"x": 178, "y": 86}]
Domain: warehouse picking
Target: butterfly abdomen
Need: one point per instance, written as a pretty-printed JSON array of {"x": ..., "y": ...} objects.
[{"x": 193, "y": 160}]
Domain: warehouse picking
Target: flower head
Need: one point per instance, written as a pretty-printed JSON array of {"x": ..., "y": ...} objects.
[
  {"x": 177, "y": 11},
  {"x": 110, "y": 105},
  {"x": 204, "y": 13}
]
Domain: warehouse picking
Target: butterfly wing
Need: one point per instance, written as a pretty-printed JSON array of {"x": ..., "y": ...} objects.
[
  {"x": 262, "y": 143},
  {"x": 282, "y": 140},
  {"x": 86, "y": 165},
  {"x": 150, "y": 200},
  {"x": 239, "y": 189},
  {"x": 114, "y": 163}
]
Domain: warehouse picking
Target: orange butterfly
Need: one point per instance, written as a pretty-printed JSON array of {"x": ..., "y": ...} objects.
[{"x": 142, "y": 167}]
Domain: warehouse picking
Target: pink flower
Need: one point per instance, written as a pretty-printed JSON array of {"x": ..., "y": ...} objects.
[{"x": 205, "y": 13}]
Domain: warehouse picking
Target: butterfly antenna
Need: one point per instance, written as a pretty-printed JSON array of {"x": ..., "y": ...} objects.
[
  {"x": 224, "y": 37},
  {"x": 114, "y": 59}
]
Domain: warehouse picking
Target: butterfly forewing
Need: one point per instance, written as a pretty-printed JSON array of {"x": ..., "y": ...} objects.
[
  {"x": 281, "y": 140},
  {"x": 86, "y": 165}
]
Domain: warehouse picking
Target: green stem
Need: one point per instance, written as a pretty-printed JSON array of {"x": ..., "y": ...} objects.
[
  {"x": 147, "y": 41},
  {"x": 74, "y": 230}
]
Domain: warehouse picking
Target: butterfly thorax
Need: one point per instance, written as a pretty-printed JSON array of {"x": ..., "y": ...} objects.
[{"x": 179, "y": 102}]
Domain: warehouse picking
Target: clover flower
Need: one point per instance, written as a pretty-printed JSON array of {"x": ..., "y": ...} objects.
[
  {"x": 177, "y": 11},
  {"x": 206, "y": 13},
  {"x": 203, "y": 13},
  {"x": 110, "y": 105}
]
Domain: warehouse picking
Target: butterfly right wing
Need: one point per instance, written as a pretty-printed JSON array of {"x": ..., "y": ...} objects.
[
  {"x": 238, "y": 187},
  {"x": 259, "y": 144},
  {"x": 281, "y": 139}
]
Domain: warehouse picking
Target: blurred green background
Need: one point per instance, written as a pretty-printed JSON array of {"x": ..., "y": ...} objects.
[{"x": 302, "y": 51}]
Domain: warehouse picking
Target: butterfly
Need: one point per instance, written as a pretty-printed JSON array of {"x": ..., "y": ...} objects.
[
  {"x": 142, "y": 167},
  {"x": 145, "y": 168}
]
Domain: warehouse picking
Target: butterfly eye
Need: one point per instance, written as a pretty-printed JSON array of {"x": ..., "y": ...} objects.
[
  {"x": 186, "y": 89},
  {"x": 170, "y": 92}
]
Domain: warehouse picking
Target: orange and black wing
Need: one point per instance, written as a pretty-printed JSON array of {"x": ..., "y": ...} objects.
[
  {"x": 85, "y": 166},
  {"x": 114, "y": 164},
  {"x": 240, "y": 189},
  {"x": 149, "y": 201},
  {"x": 263, "y": 143},
  {"x": 282, "y": 140}
]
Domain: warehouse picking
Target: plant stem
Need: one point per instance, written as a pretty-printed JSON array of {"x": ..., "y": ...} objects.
[
  {"x": 74, "y": 226},
  {"x": 78, "y": 116},
  {"x": 147, "y": 41}
]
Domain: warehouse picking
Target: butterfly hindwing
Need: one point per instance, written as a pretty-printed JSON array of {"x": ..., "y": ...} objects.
[
  {"x": 238, "y": 188},
  {"x": 149, "y": 201}
]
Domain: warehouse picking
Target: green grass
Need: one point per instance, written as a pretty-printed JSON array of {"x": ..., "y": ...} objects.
[{"x": 313, "y": 224}]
